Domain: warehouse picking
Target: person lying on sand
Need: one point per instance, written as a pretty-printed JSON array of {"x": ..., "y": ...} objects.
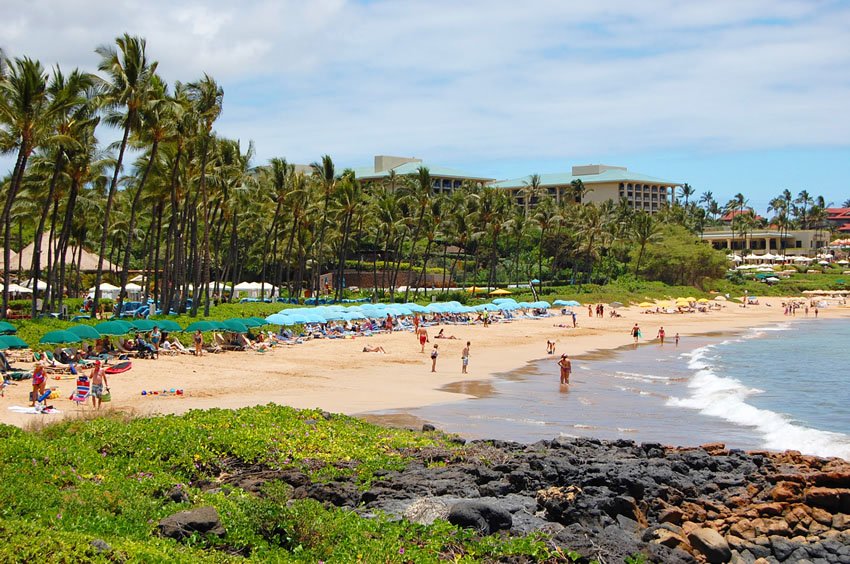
[
  {"x": 369, "y": 348},
  {"x": 442, "y": 335}
]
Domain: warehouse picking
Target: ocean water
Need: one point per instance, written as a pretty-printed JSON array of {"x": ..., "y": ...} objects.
[{"x": 780, "y": 387}]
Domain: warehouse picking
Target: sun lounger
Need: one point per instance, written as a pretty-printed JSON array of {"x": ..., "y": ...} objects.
[{"x": 83, "y": 391}]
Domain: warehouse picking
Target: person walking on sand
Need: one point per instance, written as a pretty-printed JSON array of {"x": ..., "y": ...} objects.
[
  {"x": 434, "y": 355},
  {"x": 98, "y": 381},
  {"x": 661, "y": 335},
  {"x": 423, "y": 338},
  {"x": 574, "y": 318},
  {"x": 464, "y": 357},
  {"x": 566, "y": 368},
  {"x": 677, "y": 339},
  {"x": 636, "y": 332}
]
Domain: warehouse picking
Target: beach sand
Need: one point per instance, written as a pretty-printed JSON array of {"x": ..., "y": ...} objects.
[{"x": 335, "y": 375}]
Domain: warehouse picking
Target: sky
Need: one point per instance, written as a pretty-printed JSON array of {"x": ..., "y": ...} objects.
[{"x": 729, "y": 96}]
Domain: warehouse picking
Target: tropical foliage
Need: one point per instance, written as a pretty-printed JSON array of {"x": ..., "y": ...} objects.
[{"x": 174, "y": 199}]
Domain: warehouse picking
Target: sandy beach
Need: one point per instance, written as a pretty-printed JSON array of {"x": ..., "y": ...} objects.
[{"x": 335, "y": 375}]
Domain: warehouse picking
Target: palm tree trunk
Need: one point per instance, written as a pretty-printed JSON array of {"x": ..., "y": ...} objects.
[
  {"x": 14, "y": 186},
  {"x": 131, "y": 227},
  {"x": 39, "y": 231}
]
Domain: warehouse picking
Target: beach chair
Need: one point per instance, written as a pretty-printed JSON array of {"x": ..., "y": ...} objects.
[{"x": 83, "y": 391}]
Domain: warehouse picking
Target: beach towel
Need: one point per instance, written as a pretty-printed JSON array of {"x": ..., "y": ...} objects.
[{"x": 49, "y": 410}]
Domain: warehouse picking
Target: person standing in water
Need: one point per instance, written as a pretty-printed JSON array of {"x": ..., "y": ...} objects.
[
  {"x": 636, "y": 332},
  {"x": 566, "y": 368},
  {"x": 661, "y": 335}
]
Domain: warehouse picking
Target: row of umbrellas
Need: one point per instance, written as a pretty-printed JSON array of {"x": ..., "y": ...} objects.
[
  {"x": 323, "y": 314},
  {"x": 118, "y": 327}
]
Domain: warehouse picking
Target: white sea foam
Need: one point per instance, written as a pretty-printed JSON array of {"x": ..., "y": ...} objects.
[
  {"x": 509, "y": 419},
  {"x": 649, "y": 378},
  {"x": 725, "y": 397}
]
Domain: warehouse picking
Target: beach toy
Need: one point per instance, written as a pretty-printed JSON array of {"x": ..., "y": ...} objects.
[
  {"x": 179, "y": 392},
  {"x": 173, "y": 390},
  {"x": 144, "y": 393}
]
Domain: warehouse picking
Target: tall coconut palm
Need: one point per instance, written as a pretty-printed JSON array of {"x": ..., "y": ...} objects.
[
  {"x": 546, "y": 216},
  {"x": 326, "y": 176},
  {"x": 157, "y": 127},
  {"x": 74, "y": 119},
  {"x": 420, "y": 195},
  {"x": 687, "y": 192},
  {"x": 207, "y": 97},
  {"x": 128, "y": 77},
  {"x": 804, "y": 200},
  {"x": 530, "y": 192},
  {"x": 26, "y": 119}
]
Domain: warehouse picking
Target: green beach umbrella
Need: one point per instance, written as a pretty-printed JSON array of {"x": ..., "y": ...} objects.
[
  {"x": 235, "y": 325},
  {"x": 257, "y": 321},
  {"x": 85, "y": 332},
  {"x": 113, "y": 328},
  {"x": 6, "y": 328},
  {"x": 168, "y": 325},
  {"x": 202, "y": 326},
  {"x": 59, "y": 337},
  {"x": 12, "y": 342},
  {"x": 143, "y": 324}
]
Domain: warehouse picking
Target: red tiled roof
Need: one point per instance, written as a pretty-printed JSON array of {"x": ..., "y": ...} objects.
[
  {"x": 728, "y": 216},
  {"x": 845, "y": 228},
  {"x": 837, "y": 213}
]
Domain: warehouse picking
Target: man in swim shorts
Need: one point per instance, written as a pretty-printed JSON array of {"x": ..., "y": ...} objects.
[{"x": 423, "y": 338}]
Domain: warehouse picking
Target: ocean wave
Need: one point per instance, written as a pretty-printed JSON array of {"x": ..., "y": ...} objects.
[
  {"x": 641, "y": 377},
  {"x": 627, "y": 430},
  {"x": 725, "y": 398},
  {"x": 509, "y": 419}
]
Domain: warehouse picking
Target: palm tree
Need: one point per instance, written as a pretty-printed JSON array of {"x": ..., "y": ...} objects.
[
  {"x": 421, "y": 195},
  {"x": 326, "y": 176},
  {"x": 157, "y": 127},
  {"x": 207, "y": 98},
  {"x": 129, "y": 75},
  {"x": 804, "y": 200},
  {"x": 578, "y": 191},
  {"x": 530, "y": 191},
  {"x": 546, "y": 216},
  {"x": 645, "y": 230},
  {"x": 74, "y": 117},
  {"x": 687, "y": 192},
  {"x": 26, "y": 118}
]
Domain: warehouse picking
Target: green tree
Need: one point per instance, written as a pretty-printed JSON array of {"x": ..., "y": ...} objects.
[{"x": 129, "y": 75}]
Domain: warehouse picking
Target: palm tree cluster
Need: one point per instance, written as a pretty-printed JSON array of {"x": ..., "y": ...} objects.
[{"x": 194, "y": 215}]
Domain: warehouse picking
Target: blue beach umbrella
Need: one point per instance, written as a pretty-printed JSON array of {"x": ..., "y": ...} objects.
[{"x": 277, "y": 319}]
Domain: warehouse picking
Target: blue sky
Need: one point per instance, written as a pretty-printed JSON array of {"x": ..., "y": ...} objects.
[{"x": 729, "y": 96}]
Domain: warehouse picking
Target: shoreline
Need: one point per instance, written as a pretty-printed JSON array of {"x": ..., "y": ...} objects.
[{"x": 334, "y": 375}]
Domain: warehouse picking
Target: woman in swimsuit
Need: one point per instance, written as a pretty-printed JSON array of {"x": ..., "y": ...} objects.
[{"x": 39, "y": 381}]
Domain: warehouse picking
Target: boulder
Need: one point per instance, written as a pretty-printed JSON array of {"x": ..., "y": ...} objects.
[
  {"x": 101, "y": 545},
  {"x": 782, "y": 547},
  {"x": 483, "y": 517},
  {"x": 177, "y": 494},
  {"x": 204, "y": 520},
  {"x": 426, "y": 510},
  {"x": 787, "y": 491},
  {"x": 710, "y": 544}
]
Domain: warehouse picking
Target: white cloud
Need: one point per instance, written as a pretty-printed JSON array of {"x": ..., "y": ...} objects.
[{"x": 484, "y": 79}]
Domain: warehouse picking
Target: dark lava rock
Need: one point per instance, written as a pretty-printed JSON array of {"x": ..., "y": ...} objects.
[
  {"x": 338, "y": 494},
  {"x": 483, "y": 517},
  {"x": 177, "y": 494},
  {"x": 204, "y": 520},
  {"x": 428, "y": 427}
]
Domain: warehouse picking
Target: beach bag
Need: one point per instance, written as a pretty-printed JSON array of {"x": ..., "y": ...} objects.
[{"x": 106, "y": 397}]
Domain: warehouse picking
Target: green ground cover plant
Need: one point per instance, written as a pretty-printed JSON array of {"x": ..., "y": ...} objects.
[{"x": 65, "y": 484}]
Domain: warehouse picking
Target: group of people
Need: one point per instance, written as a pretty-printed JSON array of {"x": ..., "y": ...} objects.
[{"x": 421, "y": 335}]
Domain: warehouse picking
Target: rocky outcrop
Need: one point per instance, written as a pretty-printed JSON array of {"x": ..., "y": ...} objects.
[{"x": 609, "y": 500}]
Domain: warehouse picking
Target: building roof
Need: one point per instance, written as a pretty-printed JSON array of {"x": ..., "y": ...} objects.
[
  {"x": 88, "y": 262},
  {"x": 565, "y": 179},
  {"x": 730, "y": 215},
  {"x": 436, "y": 171},
  {"x": 837, "y": 213}
]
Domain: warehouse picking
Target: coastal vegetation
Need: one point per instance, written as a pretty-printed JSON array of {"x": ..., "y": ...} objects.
[
  {"x": 108, "y": 479},
  {"x": 189, "y": 207}
]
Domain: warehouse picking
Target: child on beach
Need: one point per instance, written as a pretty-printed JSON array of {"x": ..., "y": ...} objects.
[
  {"x": 434, "y": 355},
  {"x": 464, "y": 356},
  {"x": 98, "y": 381}
]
